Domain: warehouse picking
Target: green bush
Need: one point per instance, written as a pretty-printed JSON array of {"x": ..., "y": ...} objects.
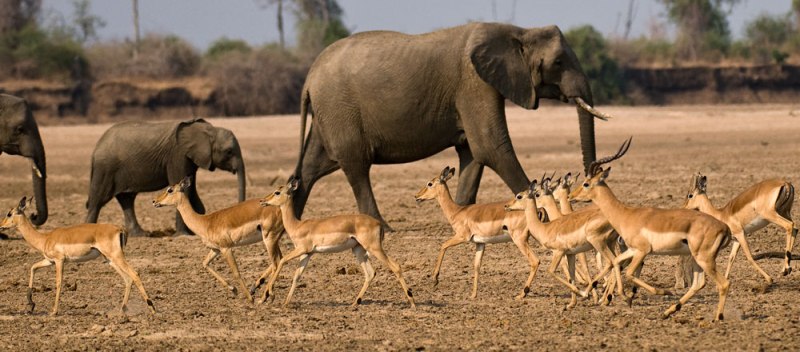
[
  {"x": 261, "y": 82},
  {"x": 604, "y": 75},
  {"x": 770, "y": 37},
  {"x": 34, "y": 53},
  {"x": 224, "y": 45},
  {"x": 159, "y": 57}
]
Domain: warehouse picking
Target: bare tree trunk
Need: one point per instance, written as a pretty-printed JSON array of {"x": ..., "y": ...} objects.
[
  {"x": 629, "y": 19},
  {"x": 136, "y": 29},
  {"x": 280, "y": 23}
]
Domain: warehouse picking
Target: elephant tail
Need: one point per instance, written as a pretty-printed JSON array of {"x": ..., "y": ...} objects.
[{"x": 305, "y": 102}]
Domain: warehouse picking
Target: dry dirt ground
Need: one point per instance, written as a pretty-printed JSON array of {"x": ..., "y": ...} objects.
[{"x": 734, "y": 145}]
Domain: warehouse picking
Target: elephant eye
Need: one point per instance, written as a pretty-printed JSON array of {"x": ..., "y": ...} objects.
[
  {"x": 19, "y": 129},
  {"x": 558, "y": 62}
]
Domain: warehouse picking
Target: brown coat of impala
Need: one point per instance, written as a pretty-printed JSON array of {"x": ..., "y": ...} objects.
[
  {"x": 568, "y": 235},
  {"x": 480, "y": 224},
  {"x": 239, "y": 225},
  {"x": 657, "y": 231},
  {"x": 766, "y": 202},
  {"x": 77, "y": 243},
  {"x": 360, "y": 233}
]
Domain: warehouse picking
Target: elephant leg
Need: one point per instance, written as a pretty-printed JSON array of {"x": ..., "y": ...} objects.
[
  {"x": 487, "y": 133},
  {"x": 469, "y": 177},
  {"x": 358, "y": 176},
  {"x": 316, "y": 164},
  {"x": 98, "y": 197},
  {"x": 127, "y": 201}
]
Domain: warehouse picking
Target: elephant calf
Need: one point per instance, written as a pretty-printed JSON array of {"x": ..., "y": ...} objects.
[{"x": 133, "y": 157}]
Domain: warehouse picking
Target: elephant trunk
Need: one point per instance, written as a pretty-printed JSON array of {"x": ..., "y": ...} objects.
[
  {"x": 39, "y": 176},
  {"x": 586, "y": 125},
  {"x": 242, "y": 179}
]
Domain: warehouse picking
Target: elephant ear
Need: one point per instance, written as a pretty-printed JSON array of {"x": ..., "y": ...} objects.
[
  {"x": 496, "y": 53},
  {"x": 195, "y": 138}
]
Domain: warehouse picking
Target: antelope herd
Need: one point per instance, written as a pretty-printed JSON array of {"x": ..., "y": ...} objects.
[{"x": 619, "y": 234}]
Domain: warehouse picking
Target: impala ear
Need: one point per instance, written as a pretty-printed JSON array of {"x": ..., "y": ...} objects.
[
  {"x": 605, "y": 174},
  {"x": 22, "y": 203},
  {"x": 702, "y": 183},
  {"x": 185, "y": 183},
  {"x": 446, "y": 174},
  {"x": 293, "y": 184}
]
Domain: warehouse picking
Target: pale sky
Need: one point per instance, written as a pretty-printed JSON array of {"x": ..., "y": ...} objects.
[{"x": 203, "y": 21}]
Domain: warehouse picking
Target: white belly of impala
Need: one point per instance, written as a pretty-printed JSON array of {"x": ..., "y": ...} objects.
[
  {"x": 339, "y": 247},
  {"x": 503, "y": 238},
  {"x": 757, "y": 224},
  {"x": 666, "y": 243},
  {"x": 84, "y": 257}
]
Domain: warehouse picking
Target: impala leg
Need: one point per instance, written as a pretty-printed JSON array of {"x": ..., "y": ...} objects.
[
  {"x": 38, "y": 265},
  {"x": 476, "y": 266},
  {"x": 632, "y": 273},
  {"x": 521, "y": 241},
  {"x": 377, "y": 251},
  {"x": 734, "y": 251},
  {"x": 128, "y": 282},
  {"x": 274, "y": 253},
  {"x": 206, "y": 264},
  {"x": 698, "y": 282},
  {"x": 369, "y": 273},
  {"x": 296, "y": 252},
  {"x": 709, "y": 266},
  {"x": 603, "y": 251},
  {"x": 681, "y": 280},
  {"x": 571, "y": 266},
  {"x": 791, "y": 233},
  {"x": 742, "y": 241},
  {"x": 228, "y": 254},
  {"x": 557, "y": 256},
  {"x": 583, "y": 268},
  {"x": 59, "y": 279},
  {"x": 627, "y": 254},
  {"x": 453, "y": 241},
  {"x": 297, "y": 273},
  {"x": 125, "y": 267}
]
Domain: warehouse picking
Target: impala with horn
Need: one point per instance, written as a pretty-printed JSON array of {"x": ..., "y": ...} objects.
[{"x": 658, "y": 231}]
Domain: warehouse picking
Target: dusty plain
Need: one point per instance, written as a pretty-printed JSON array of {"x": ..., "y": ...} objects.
[{"x": 735, "y": 145}]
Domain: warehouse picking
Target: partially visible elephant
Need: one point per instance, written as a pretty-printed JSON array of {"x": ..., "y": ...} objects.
[
  {"x": 133, "y": 157},
  {"x": 19, "y": 135},
  {"x": 385, "y": 97}
]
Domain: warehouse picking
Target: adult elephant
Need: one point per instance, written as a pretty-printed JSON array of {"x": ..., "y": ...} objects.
[
  {"x": 133, "y": 157},
  {"x": 19, "y": 135},
  {"x": 385, "y": 97}
]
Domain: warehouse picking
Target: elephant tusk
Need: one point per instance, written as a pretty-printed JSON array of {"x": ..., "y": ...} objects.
[
  {"x": 36, "y": 169},
  {"x": 603, "y": 116}
]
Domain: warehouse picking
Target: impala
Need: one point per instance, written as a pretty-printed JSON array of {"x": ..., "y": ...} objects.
[
  {"x": 480, "y": 224},
  {"x": 658, "y": 231},
  {"x": 77, "y": 243},
  {"x": 765, "y": 202},
  {"x": 360, "y": 233},
  {"x": 568, "y": 235},
  {"x": 239, "y": 225}
]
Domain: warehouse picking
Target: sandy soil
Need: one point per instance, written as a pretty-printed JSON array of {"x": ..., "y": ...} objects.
[{"x": 734, "y": 145}]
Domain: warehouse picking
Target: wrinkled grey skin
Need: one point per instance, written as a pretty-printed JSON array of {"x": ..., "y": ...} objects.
[
  {"x": 385, "y": 97},
  {"x": 19, "y": 135},
  {"x": 133, "y": 157}
]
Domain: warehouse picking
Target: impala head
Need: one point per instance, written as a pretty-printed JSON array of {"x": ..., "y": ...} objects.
[
  {"x": 518, "y": 203},
  {"x": 16, "y": 215},
  {"x": 547, "y": 185},
  {"x": 596, "y": 175},
  {"x": 172, "y": 195},
  {"x": 281, "y": 195},
  {"x": 430, "y": 189},
  {"x": 562, "y": 188},
  {"x": 698, "y": 189}
]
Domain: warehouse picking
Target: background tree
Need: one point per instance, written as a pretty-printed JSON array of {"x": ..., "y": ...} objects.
[
  {"x": 703, "y": 29},
  {"x": 86, "y": 24},
  {"x": 279, "y": 10},
  {"x": 16, "y": 14},
  {"x": 319, "y": 23}
]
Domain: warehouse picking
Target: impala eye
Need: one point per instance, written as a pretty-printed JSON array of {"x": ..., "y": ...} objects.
[
  {"x": 430, "y": 184},
  {"x": 170, "y": 190},
  {"x": 690, "y": 196},
  {"x": 277, "y": 193},
  {"x": 519, "y": 196},
  {"x": 9, "y": 214},
  {"x": 586, "y": 184}
]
